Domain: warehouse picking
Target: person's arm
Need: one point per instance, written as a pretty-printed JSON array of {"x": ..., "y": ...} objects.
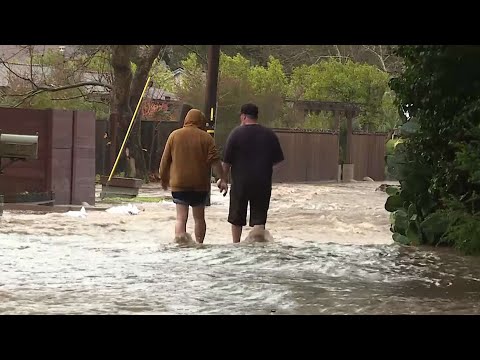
[
  {"x": 277, "y": 152},
  {"x": 223, "y": 184},
  {"x": 216, "y": 164},
  {"x": 228, "y": 154},
  {"x": 214, "y": 159},
  {"x": 164, "y": 170},
  {"x": 226, "y": 168},
  {"x": 218, "y": 170}
]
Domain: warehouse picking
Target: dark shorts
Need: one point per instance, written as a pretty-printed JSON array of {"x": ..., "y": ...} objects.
[
  {"x": 190, "y": 198},
  {"x": 259, "y": 200}
]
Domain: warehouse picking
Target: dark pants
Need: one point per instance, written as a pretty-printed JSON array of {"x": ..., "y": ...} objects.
[
  {"x": 259, "y": 199},
  {"x": 190, "y": 198}
]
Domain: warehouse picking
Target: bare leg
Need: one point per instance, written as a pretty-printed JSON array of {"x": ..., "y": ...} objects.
[
  {"x": 200, "y": 225},
  {"x": 182, "y": 217},
  {"x": 236, "y": 233}
]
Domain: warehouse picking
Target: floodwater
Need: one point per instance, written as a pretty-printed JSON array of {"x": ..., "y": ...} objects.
[{"x": 332, "y": 254}]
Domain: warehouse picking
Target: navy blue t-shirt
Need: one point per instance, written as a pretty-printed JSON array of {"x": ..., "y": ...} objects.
[{"x": 252, "y": 150}]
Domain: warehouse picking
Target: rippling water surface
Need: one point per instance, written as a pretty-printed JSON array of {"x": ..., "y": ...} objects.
[
  {"x": 78, "y": 275},
  {"x": 332, "y": 254}
]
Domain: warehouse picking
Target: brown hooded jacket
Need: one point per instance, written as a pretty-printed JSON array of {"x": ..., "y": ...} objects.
[{"x": 188, "y": 155}]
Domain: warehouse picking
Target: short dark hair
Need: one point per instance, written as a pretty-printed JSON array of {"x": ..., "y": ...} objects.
[{"x": 250, "y": 110}]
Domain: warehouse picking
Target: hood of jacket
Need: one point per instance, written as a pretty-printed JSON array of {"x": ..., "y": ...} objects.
[{"x": 195, "y": 118}]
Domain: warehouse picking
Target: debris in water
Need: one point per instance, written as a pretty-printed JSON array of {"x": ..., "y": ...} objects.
[
  {"x": 382, "y": 187},
  {"x": 77, "y": 214},
  {"x": 124, "y": 210}
]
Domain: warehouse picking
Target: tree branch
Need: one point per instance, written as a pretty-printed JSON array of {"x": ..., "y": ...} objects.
[
  {"x": 144, "y": 64},
  {"x": 4, "y": 63},
  {"x": 82, "y": 95},
  {"x": 52, "y": 88},
  {"x": 30, "y": 50},
  {"x": 44, "y": 78},
  {"x": 330, "y": 57},
  {"x": 204, "y": 59},
  {"x": 41, "y": 89},
  {"x": 339, "y": 54},
  {"x": 28, "y": 96},
  {"x": 22, "y": 48},
  {"x": 379, "y": 56},
  {"x": 69, "y": 98},
  {"x": 73, "y": 86},
  {"x": 85, "y": 96}
]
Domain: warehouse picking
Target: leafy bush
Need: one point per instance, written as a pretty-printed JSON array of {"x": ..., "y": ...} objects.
[
  {"x": 268, "y": 86},
  {"x": 437, "y": 164}
]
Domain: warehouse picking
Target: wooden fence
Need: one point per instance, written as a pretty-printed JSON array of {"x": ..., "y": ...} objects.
[
  {"x": 309, "y": 155},
  {"x": 66, "y": 154}
]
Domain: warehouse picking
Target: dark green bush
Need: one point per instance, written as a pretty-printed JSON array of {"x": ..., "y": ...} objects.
[{"x": 438, "y": 164}]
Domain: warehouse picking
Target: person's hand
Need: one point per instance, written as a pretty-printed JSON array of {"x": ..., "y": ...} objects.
[{"x": 223, "y": 186}]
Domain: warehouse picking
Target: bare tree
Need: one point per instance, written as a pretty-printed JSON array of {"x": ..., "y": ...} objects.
[
  {"x": 122, "y": 87},
  {"x": 34, "y": 77}
]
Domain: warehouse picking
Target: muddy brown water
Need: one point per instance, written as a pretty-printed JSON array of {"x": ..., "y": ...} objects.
[{"x": 332, "y": 254}]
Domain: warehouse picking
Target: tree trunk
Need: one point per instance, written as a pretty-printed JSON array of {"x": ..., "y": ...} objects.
[
  {"x": 144, "y": 58},
  {"x": 127, "y": 91},
  {"x": 136, "y": 150}
]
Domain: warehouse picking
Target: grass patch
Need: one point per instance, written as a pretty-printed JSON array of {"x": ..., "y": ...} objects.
[{"x": 138, "y": 199}]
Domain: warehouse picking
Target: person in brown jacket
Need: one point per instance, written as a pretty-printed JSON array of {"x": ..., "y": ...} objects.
[{"x": 189, "y": 154}]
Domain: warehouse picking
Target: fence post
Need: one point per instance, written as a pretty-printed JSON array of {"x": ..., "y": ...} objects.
[{"x": 348, "y": 166}]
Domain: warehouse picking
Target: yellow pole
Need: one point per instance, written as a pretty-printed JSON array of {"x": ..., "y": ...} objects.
[
  {"x": 211, "y": 131},
  {"x": 129, "y": 129}
]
